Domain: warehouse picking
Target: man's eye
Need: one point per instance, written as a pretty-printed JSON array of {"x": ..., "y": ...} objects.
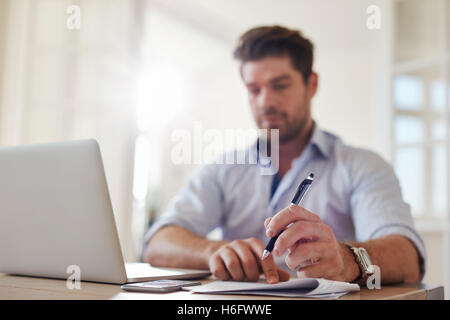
[
  {"x": 280, "y": 86},
  {"x": 254, "y": 91}
]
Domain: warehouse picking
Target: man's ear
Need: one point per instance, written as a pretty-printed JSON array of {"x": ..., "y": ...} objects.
[{"x": 313, "y": 83}]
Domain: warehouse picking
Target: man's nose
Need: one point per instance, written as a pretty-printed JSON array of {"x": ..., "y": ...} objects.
[{"x": 266, "y": 99}]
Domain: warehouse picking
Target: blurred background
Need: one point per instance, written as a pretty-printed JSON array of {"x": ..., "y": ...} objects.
[{"x": 130, "y": 72}]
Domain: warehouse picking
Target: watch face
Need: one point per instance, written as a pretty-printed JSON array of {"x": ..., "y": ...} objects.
[{"x": 366, "y": 263}]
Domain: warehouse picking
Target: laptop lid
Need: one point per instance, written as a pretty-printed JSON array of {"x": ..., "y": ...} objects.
[{"x": 55, "y": 212}]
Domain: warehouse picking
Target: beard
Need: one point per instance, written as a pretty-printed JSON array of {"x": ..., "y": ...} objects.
[{"x": 289, "y": 129}]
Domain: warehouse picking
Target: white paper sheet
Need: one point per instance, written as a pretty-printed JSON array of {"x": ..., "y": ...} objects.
[{"x": 311, "y": 288}]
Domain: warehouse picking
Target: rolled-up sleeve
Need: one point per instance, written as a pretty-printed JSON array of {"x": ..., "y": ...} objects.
[
  {"x": 198, "y": 207},
  {"x": 377, "y": 204}
]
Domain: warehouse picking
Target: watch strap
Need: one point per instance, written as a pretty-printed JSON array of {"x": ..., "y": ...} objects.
[{"x": 363, "y": 274}]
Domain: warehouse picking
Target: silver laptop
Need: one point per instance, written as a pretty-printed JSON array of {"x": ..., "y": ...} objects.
[{"x": 56, "y": 217}]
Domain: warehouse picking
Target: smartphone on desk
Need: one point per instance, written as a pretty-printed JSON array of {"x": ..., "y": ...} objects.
[{"x": 159, "y": 286}]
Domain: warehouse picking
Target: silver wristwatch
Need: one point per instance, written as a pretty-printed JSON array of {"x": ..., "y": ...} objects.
[{"x": 365, "y": 264}]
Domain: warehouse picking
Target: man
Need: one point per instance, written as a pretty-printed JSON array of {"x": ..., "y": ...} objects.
[{"x": 355, "y": 200}]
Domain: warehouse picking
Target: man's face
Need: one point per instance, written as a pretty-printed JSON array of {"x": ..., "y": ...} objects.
[{"x": 278, "y": 95}]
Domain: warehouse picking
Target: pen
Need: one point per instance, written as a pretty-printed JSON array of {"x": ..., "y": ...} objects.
[{"x": 299, "y": 194}]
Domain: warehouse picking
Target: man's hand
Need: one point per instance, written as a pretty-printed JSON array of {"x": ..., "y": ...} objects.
[
  {"x": 241, "y": 260},
  {"x": 313, "y": 249}
]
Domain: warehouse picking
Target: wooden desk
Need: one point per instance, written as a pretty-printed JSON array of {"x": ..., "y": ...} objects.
[{"x": 29, "y": 288}]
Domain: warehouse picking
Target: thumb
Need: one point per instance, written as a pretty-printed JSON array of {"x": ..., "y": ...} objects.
[
  {"x": 267, "y": 221},
  {"x": 283, "y": 275}
]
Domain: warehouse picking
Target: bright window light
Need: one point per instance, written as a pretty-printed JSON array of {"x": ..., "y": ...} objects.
[
  {"x": 409, "y": 92},
  {"x": 160, "y": 97},
  {"x": 141, "y": 167}
]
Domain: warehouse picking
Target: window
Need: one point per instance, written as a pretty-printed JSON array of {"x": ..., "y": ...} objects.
[{"x": 420, "y": 99}]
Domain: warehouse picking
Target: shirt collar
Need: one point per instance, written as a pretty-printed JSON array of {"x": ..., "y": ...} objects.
[{"x": 321, "y": 141}]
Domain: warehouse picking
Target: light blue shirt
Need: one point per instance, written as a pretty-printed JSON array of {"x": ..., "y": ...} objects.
[{"x": 354, "y": 191}]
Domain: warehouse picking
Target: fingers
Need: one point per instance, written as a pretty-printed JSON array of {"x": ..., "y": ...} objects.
[
  {"x": 283, "y": 275},
  {"x": 302, "y": 230},
  {"x": 305, "y": 254},
  {"x": 318, "y": 270},
  {"x": 238, "y": 260},
  {"x": 233, "y": 264},
  {"x": 317, "y": 260},
  {"x": 268, "y": 265},
  {"x": 310, "y": 242},
  {"x": 270, "y": 269},
  {"x": 267, "y": 221},
  {"x": 241, "y": 260},
  {"x": 218, "y": 268},
  {"x": 248, "y": 260},
  {"x": 287, "y": 216},
  {"x": 295, "y": 245}
]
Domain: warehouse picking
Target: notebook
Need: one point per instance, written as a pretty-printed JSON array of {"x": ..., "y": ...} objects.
[{"x": 301, "y": 288}]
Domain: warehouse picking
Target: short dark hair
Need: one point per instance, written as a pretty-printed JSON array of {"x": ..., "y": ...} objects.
[{"x": 261, "y": 42}]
